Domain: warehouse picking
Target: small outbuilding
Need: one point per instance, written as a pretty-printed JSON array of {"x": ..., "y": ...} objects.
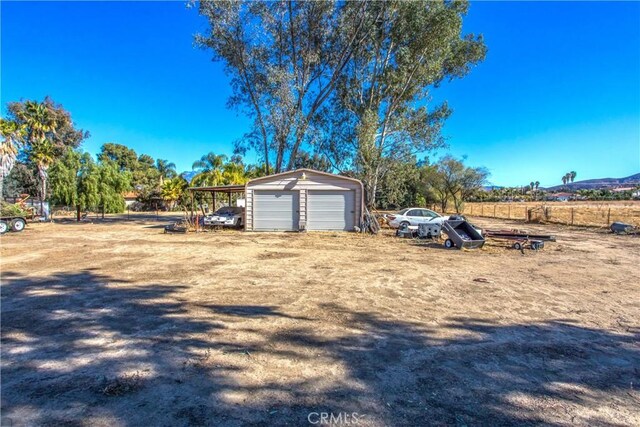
[{"x": 303, "y": 199}]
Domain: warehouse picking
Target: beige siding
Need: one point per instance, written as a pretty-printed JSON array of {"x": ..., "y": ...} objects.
[
  {"x": 303, "y": 207},
  {"x": 248, "y": 210},
  {"x": 293, "y": 182}
]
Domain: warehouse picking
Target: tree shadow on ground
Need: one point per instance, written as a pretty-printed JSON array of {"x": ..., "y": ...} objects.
[
  {"x": 143, "y": 218},
  {"x": 82, "y": 348},
  {"x": 488, "y": 374},
  {"x": 259, "y": 311}
]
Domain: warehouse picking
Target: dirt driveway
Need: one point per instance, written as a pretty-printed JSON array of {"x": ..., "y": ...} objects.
[{"x": 117, "y": 324}]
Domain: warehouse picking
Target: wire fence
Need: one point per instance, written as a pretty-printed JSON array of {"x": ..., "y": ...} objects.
[{"x": 593, "y": 214}]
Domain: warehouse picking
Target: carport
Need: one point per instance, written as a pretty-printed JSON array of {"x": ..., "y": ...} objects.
[{"x": 214, "y": 193}]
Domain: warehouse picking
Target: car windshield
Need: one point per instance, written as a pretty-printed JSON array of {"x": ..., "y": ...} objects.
[{"x": 226, "y": 210}]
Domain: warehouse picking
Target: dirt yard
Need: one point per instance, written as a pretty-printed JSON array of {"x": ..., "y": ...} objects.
[{"x": 116, "y": 324}]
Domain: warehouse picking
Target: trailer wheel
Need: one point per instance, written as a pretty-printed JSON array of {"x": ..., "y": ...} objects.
[
  {"x": 449, "y": 244},
  {"x": 517, "y": 246},
  {"x": 18, "y": 224},
  {"x": 4, "y": 227}
]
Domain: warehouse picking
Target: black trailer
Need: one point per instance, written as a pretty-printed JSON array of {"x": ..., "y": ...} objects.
[{"x": 12, "y": 223}]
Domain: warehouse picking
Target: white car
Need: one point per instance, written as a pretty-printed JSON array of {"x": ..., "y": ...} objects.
[
  {"x": 415, "y": 216},
  {"x": 229, "y": 216}
]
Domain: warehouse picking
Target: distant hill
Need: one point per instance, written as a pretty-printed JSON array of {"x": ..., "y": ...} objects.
[
  {"x": 591, "y": 184},
  {"x": 189, "y": 175}
]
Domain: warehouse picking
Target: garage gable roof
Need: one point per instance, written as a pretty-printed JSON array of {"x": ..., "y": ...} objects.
[{"x": 291, "y": 172}]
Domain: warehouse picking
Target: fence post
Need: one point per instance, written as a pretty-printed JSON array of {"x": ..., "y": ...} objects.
[
  {"x": 571, "y": 216},
  {"x": 509, "y": 211},
  {"x": 608, "y": 217}
]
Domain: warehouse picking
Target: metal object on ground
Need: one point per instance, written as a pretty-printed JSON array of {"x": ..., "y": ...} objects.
[
  {"x": 407, "y": 231},
  {"x": 622, "y": 228},
  {"x": 462, "y": 235},
  {"x": 521, "y": 239},
  {"x": 429, "y": 230},
  {"x": 176, "y": 228},
  {"x": 518, "y": 234}
]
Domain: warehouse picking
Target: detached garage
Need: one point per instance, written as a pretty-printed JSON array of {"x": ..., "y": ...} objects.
[{"x": 303, "y": 199}]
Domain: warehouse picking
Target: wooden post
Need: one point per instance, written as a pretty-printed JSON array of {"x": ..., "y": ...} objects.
[
  {"x": 494, "y": 211},
  {"x": 509, "y": 211},
  {"x": 229, "y": 198},
  {"x": 608, "y": 217},
  {"x": 192, "y": 206},
  {"x": 482, "y": 210},
  {"x": 571, "y": 216}
]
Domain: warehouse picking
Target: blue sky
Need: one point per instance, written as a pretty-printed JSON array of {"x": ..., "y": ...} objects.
[{"x": 559, "y": 90}]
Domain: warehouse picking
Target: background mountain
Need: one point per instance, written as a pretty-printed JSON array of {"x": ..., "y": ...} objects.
[
  {"x": 188, "y": 175},
  {"x": 592, "y": 184}
]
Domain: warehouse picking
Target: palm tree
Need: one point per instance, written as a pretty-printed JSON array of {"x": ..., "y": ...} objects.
[
  {"x": 531, "y": 185},
  {"x": 12, "y": 141},
  {"x": 173, "y": 189},
  {"x": 38, "y": 122},
  {"x": 572, "y": 175},
  {"x": 43, "y": 155},
  {"x": 234, "y": 173},
  {"x": 167, "y": 169},
  {"x": 209, "y": 168},
  {"x": 256, "y": 171},
  {"x": 535, "y": 190},
  {"x": 564, "y": 179}
]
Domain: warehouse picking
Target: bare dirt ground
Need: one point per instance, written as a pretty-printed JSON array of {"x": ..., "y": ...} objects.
[{"x": 116, "y": 324}]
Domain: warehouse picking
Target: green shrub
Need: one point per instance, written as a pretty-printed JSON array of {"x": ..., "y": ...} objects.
[{"x": 10, "y": 209}]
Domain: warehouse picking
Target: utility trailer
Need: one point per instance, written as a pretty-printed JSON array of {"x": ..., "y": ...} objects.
[
  {"x": 521, "y": 239},
  {"x": 461, "y": 234},
  {"x": 12, "y": 223},
  {"x": 430, "y": 230}
]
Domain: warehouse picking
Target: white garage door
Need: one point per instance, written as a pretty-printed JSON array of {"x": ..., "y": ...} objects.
[
  {"x": 276, "y": 210},
  {"x": 331, "y": 210}
]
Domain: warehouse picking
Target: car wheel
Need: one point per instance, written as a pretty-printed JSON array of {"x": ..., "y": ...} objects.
[
  {"x": 18, "y": 224},
  {"x": 405, "y": 224},
  {"x": 4, "y": 227},
  {"x": 517, "y": 246},
  {"x": 448, "y": 244},
  {"x": 239, "y": 223}
]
